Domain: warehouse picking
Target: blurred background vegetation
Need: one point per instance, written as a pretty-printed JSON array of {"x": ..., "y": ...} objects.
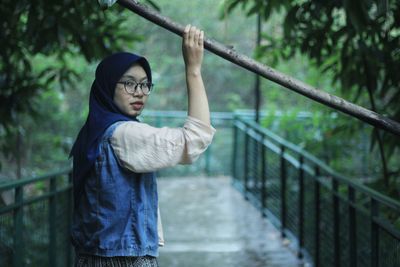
[{"x": 49, "y": 51}]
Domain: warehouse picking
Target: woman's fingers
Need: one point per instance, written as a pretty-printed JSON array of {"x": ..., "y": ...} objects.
[
  {"x": 192, "y": 36},
  {"x": 196, "y": 37},
  {"x": 186, "y": 33},
  {"x": 192, "y": 47},
  {"x": 201, "y": 38}
]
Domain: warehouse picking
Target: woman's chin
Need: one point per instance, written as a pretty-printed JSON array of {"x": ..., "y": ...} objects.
[{"x": 135, "y": 113}]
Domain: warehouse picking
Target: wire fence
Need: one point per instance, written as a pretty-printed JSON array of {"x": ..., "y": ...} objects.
[
  {"x": 34, "y": 225},
  {"x": 330, "y": 219}
]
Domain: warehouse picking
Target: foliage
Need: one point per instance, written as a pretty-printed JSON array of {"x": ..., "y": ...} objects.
[
  {"x": 317, "y": 132},
  {"x": 50, "y": 28},
  {"x": 46, "y": 115},
  {"x": 356, "y": 41},
  {"x": 42, "y": 44}
]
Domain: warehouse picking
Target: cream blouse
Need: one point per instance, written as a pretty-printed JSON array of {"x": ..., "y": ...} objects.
[{"x": 140, "y": 147}]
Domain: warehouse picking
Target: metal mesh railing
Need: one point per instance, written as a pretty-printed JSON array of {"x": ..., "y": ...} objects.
[
  {"x": 34, "y": 227},
  {"x": 332, "y": 220}
]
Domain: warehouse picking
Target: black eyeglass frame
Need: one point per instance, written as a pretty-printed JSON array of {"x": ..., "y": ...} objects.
[{"x": 149, "y": 85}]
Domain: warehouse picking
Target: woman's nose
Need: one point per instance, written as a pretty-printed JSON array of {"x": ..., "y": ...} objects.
[{"x": 138, "y": 93}]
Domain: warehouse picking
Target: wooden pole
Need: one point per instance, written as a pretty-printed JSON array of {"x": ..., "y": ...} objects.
[{"x": 269, "y": 73}]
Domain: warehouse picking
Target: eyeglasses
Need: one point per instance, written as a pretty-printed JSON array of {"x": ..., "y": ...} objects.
[{"x": 131, "y": 87}]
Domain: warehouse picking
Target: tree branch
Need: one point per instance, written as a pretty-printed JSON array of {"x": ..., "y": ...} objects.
[{"x": 269, "y": 73}]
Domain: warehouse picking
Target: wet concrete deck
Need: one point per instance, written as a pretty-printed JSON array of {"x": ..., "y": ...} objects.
[{"x": 208, "y": 223}]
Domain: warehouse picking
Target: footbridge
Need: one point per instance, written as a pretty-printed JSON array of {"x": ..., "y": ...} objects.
[{"x": 252, "y": 199}]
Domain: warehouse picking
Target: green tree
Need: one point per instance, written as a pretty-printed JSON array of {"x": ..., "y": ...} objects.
[
  {"x": 51, "y": 28},
  {"x": 42, "y": 43},
  {"x": 358, "y": 41}
]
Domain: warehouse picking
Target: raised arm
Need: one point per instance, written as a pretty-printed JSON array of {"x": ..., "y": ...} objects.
[
  {"x": 193, "y": 49},
  {"x": 142, "y": 148}
]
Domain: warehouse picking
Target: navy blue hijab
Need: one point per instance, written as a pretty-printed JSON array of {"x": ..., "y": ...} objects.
[{"x": 102, "y": 113}]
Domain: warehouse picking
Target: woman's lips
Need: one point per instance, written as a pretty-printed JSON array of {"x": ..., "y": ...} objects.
[{"x": 137, "y": 105}]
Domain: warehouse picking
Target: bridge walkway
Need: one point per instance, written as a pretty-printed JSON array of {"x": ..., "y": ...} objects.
[{"x": 207, "y": 222}]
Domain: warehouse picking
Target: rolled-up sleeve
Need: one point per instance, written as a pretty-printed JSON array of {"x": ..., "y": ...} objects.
[{"x": 142, "y": 148}]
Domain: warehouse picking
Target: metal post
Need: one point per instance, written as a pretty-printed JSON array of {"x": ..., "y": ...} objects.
[
  {"x": 246, "y": 163},
  {"x": 19, "y": 152},
  {"x": 374, "y": 234},
  {"x": 19, "y": 249},
  {"x": 234, "y": 154},
  {"x": 52, "y": 223},
  {"x": 70, "y": 200},
  {"x": 256, "y": 166},
  {"x": 317, "y": 217},
  {"x": 158, "y": 121},
  {"x": 352, "y": 228},
  {"x": 301, "y": 208},
  {"x": 208, "y": 161},
  {"x": 283, "y": 190},
  {"x": 208, "y": 157},
  {"x": 263, "y": 177},
  {"x": 336, "y": 223}
]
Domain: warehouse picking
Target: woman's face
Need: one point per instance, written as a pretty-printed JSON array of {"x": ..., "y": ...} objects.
[{"x": 131, "y": 104}]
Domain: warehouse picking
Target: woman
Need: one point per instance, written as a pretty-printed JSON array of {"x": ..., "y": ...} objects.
[{"x": 116, "y": 218}]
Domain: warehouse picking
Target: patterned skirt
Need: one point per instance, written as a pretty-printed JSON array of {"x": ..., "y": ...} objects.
[{"x": 97, "y": 261}]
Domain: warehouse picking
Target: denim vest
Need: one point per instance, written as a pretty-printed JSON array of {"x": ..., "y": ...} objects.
[{"x": 117, "y": 212}]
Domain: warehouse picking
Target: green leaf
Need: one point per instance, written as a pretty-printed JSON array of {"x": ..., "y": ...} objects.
[
  {"x": 355, "y": 10},
  {"x": 289, "y": 22},
  {"x": 254, "y": 10}
]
